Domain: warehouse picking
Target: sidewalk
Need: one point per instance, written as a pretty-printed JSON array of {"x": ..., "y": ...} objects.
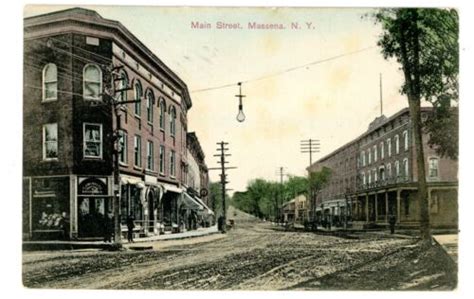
[
  {"x": 70, "y": 245},
  {"x": 449, "y": 242}
]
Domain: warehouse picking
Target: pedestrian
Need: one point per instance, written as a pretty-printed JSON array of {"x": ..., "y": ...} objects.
[
  {"x": 64, "y": 225},
  {"x": 108, "y": 228},
  {"x": 130, "y": 227},
  {"x": 392, "y": 220}
]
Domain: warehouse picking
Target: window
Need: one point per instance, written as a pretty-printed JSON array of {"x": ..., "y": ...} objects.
[
  {"x": 397, "y": 168},
  {"x": 375, "y": 153},
  {"x": 405, "y": 168},
  {"x": 137, "y": 150},
  {"x": 433, "y": 164},
  {"x": 172, "y": 121},
  {"x": 149, "y": 156},
  {"x": 382, "y": 173},
  {"x": 50, "y": 142},
  {"x": 92, "y": 85},
  {"x": 389, "y": 170},
  {"x": 123, "y": 146},
  {"x": 405, "y": 139},
  {"x": 363, "y": 178},
  {"x": 150, "y": 99},
  {"x": 369, "y": 152},
  {"x": 363, "y": 158},
  {"x": 92, "y": 140},
  {"x": 172, "y": 163},
  {"x": 381, "y": 150},
  {"x": 374, "y": 171},
  {"x": 162, "y": 159},
  {"x": 389, "y": 147},
  {"x": 397, "y": 144},
  {"x": 50, "y": 82},
  {"x": 162, "y": 114},
  {"x": 369, "y": 177},
  {"x": 434, "y": 204},
  {"x": 122, "y": 86},
  {"x": 138, "y": 96}
]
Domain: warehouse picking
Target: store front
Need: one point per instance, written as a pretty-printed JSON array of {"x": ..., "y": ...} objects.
[{"x": 95, "y": 207}]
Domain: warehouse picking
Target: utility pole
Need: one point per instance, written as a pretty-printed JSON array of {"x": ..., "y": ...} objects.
[
  {"x": 311, "y": 146},
  {"x": 222, "y": 154},
  {"x": 280, "y": 173},
  {"x": 110, "y": 99}
]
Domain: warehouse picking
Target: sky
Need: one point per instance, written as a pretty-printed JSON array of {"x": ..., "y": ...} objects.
[{"x": 333, "y": 101}]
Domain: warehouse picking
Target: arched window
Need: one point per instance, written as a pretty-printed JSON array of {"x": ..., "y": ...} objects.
[
  {"x": 397, "y": 169},
  {"x": 138, "y": 92},
  {"x": 122, "y": 86},
  {"x": 405, "y": 168},
  {"x": 363, "y": 178},
  {"x": 172, "y": 121},
  {"x": 162, "y": 114},
  {"x": 397, "y": 144},
  {"x": 405, "y": 139},
  {"x": 382, "y": 154},
  {"x": 375, "y": 152},
  {"x": 150, "y": 99},
  {"x": 389, "y": 147},
  {"x": 50, "y": 82},
  {"x": 369, "y": 152},
  {"x": 92, "y": 82},
  {"x": 363, "y": 158},
  {"x": 389, "y": 170}
]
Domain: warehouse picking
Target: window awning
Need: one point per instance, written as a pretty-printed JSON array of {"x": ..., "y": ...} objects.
[{"x": 190, "y": 202}]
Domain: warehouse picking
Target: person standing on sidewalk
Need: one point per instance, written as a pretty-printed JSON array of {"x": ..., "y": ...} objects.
[
  {"x": 130, "y": 227},
  {"x": 391, "y": 221}
]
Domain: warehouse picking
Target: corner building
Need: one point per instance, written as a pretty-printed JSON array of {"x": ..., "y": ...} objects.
[
  {"x": 375, "y": 175},
  {"x": 74, "y": 59}
]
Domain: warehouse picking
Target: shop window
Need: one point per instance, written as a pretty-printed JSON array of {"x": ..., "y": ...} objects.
[
  {"x": 92, "y": 82},
  {"x": 50, "y": 82},
  {"x": 50, "y": 142},
  {"x": 92, "y": 140}
]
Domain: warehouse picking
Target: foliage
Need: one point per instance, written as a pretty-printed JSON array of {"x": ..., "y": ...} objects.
[{"x": 216, "y": 198}]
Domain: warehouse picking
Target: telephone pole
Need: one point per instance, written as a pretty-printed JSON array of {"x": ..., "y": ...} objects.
[
  {"x": 111, "y": 99},
  {"x": 311, "y": 146},
  {"x": 281, "y": 173},
  {"x": 222, "y": 161}
]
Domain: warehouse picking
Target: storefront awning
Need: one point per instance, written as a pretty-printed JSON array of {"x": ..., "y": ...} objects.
[
  {"x": 190, "y": 202},
  {"x": 125, "y": 179},
  {"x": 171, "y": 188},
  {"x": 206, "y": 208}
]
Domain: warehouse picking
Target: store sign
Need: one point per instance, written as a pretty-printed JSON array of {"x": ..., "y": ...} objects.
[{"x": 92, "y": 186}]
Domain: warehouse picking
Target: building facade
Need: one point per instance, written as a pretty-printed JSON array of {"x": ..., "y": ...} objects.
[
  {"x": 295, "y": 211},
  {"x": 380, "y": 178},
  {"x": 75, "y": 63}
]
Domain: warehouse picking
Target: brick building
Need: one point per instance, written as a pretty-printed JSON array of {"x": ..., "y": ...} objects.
[
  {"x": 375, "y": 175},
  {"x": 73, "y": 59}
]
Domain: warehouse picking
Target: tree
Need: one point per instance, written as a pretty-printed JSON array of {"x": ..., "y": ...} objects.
[
  {"x": 425, "y": 43},
  {"x": 317, "y": 180}
]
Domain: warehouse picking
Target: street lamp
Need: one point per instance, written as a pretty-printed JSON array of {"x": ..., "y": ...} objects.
[{"x": 240, "y": 116}]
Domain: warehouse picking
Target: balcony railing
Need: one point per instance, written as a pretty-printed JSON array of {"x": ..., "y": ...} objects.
[{"x": 383, "y": 183}]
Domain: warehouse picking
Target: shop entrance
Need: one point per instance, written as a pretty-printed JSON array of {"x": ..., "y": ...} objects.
[{"x": 92, "y": 214}]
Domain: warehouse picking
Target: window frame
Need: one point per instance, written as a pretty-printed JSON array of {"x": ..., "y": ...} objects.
[
  {"x": 430, "y": 169},
  {"x": 44, "y": 142},
  {"x": 43, "y": 89},
  {"x": 405, "y": 139},
  {"x": 123, "y": 138},
  {"x": 137, "y": 97},
  {"x": 397, "y": 144},
  {"x": 382, "y": 148},
  {"x": 162, "y": 119},
  {"x": 137, "y": 151},
  {"x": 84, "y": 141},
  {"x": 84, "y": 82},
  {"x": 172, "y": 115},
  {"x": 150, "y": 98},
  {"x": 162, "y": 167},
  {"x": 172, "y": 163},
  {"x": 389, "y": 147},
  {"x": 150, "y": 160},
  {"x": 122, "y": 84},
  {"x": 405, "y": 168}
]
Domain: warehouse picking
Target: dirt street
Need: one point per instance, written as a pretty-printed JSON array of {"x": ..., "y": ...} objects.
[{"x": 253, "y": 256}]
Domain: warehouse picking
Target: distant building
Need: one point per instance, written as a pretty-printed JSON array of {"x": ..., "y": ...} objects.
[
  {"x": 375, "y": 175},
  {"x": 295, "y": 210},
  {"x": 72, "y": 60}
]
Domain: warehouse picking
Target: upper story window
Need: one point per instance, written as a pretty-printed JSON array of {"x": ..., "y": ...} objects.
[
  {"x": 375, "y": 153},
  {"x": 138, "y": 93},
  {"x": 162, "y": 159},
  {"x": 389, "y": 170},
  {"x": 150, "y": 156},
  {"x": 397, "y": 144},
  {"x": 363, "y": 158},
  {"x": 50, "y": 141},
  {"x": 433, "y": 167},
  {"x": 172, "y": 121},
  {"x": 92, "y": 140},
  {"x": 369, "y": 177},
  {"x": 374, "y": 172},
  {"x": 363, "y": 178},
  {"x": 172, "y": 163},
  {"x": 162, "y": 114},
  {"x": 397, "y": 168},
  {"x": 389, "y": 147},
  {"x": 50, "y": 82},
  {"x": 405, "y": 140},
  {"x": 405, "y": 167},
  {"x": 123, "y": 146},
  {"x": 150, "y": 99},
  {"x": 122, "y": 86},
  {"x": 382, "y": 154},
  {"x": 137, "y": 150},
  {"x": 92, "y": 85},
  {"x": 382, "y": 173},
  {"x": 369, "y": 152}
]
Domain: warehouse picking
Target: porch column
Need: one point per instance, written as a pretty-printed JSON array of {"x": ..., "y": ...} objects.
[
  {"x": 386, "y": 206},
  {"x": 398, "y": 205},
  {"x": 367, "y": 207}
]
